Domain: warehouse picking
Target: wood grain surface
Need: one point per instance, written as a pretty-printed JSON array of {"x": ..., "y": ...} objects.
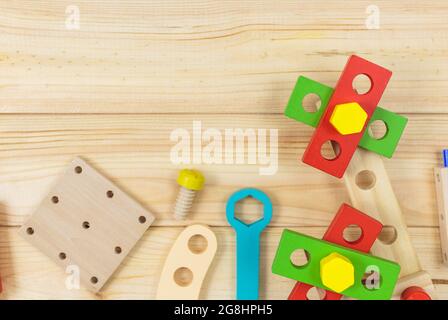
[
  {"x": 175, "y": 56},
  {"x": 114, "y": 90}
]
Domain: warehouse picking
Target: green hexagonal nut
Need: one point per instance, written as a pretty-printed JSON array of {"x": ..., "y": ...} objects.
[{"x": 337, "y": 272}]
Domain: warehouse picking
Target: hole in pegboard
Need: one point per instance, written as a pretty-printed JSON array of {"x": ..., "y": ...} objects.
[
  {"x": 299, "y": 257},
  {"x": 118, "y": 250},
  {"x": 62, "y": 256},
  {"x": 197, "y": 244},
  {"x": 330, "y": 150},
  {"x": 30, "y": 230},
  {"x": 352, "y": 233},
  {"x": 362, "y": 84},
  {"x": 55, "y": 199},
  {"x": 311, "y": 103},
  {"x": 378, "y": 129},
  {"x": 86, "y": 224},
  {"x": 365, "y": 179},
  {"x": 142, "y": 219},
  {"x": 78, "y": 169},
  {"x": 94, "y": 280},
  {"x": 110, "y": 194},
  {"x": 183, "y": 277}
]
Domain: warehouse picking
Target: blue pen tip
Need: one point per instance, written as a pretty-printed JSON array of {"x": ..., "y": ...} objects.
[{"x": 445, "y": 158}]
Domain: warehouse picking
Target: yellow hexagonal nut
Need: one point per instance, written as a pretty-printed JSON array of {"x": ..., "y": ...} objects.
[
  {"x": 337, "y": 272},
  {"x": 348, "y": 118}
]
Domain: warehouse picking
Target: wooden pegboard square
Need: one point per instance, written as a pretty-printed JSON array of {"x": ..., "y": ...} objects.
[{"x": 87, "y": 221}]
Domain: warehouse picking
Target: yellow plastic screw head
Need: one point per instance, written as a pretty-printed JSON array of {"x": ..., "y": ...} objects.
[
  {"x": 348, "y": 118},
  {"x": 191, "y": 179},
  {"x": 337, "y": 272}
]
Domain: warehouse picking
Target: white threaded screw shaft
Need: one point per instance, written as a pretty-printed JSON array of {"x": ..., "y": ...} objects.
[
  {"x": 190, "y": 182},
  {"x": 184, "y": 203}
]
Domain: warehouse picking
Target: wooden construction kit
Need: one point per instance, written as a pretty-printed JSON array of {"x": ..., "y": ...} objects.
[{"x": 87, "y": 222}]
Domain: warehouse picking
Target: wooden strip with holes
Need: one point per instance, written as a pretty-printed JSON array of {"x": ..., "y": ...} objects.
[
  {"x": 185, "y": 266},
  {"x": 370, "y": 191}
]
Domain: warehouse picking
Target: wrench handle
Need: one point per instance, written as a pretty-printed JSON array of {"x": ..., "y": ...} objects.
[{"x": 247, "y": 265}]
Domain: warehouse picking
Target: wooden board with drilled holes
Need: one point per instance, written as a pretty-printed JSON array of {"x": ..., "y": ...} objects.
[
  {"x": 371, "y": 192},
  {"x": 88, "y": 222}
]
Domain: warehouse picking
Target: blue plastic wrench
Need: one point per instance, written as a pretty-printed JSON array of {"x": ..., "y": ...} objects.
[{"x": 248, "y": 243}]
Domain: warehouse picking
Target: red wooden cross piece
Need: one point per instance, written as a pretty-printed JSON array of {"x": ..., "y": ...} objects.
[
  {"x": 342, "y": 94},
  {"x": 345, "y": 115}
]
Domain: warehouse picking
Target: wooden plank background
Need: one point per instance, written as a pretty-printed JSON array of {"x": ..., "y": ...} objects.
[{"x": 114, "y": 90}]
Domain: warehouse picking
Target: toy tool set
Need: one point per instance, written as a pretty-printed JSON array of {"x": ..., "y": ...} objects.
[{"x": 87, "y": 221}]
